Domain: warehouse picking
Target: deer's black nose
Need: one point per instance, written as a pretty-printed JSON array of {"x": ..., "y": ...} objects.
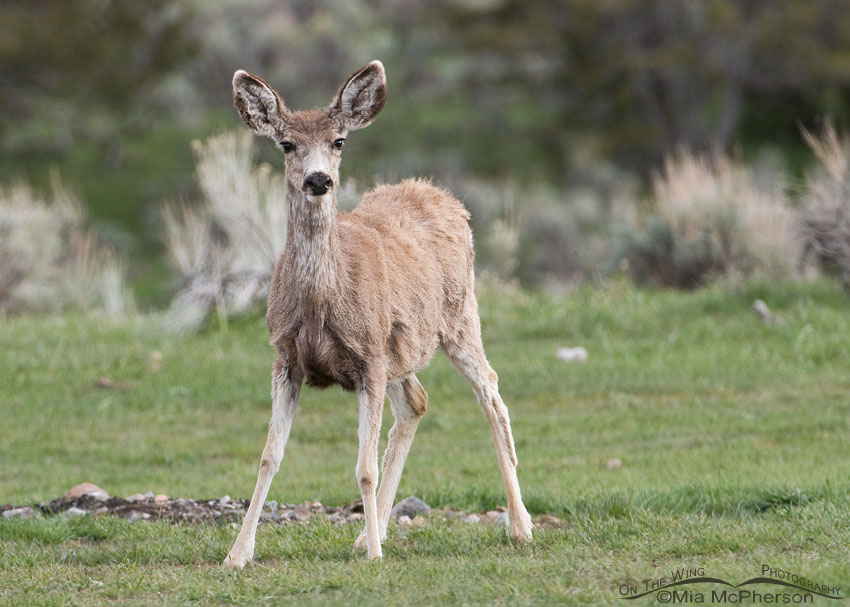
[{"x": 317, "y": 183}]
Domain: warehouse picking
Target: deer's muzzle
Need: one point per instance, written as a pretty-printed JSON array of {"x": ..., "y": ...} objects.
[{"x": 317, "y": 183}]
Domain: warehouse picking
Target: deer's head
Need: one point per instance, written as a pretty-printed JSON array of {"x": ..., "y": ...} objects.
[{"x": 311, "y": 140}]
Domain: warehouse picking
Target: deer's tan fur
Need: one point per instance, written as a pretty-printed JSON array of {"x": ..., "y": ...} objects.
[{"x": 363, "y": 300}]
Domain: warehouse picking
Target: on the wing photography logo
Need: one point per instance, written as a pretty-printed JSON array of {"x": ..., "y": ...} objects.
[{"x": 774, "y": 586}]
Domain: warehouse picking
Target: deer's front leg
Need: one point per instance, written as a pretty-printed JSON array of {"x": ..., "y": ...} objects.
[
  {"x": 371, "y": 403},
  {"x": 285, "y": 390}
]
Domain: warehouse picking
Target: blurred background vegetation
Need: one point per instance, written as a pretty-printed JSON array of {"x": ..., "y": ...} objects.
[{"x": 551, "y": 119}]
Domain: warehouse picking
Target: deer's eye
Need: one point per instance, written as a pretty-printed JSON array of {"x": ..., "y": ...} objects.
[
  {"x": 338, "y": 143},
  {"x": 287, "y": 146}
]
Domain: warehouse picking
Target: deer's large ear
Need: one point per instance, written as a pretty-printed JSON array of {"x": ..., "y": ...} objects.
[
  {"x": 259, "y": 106},
  {"x": 361, "y": 97}
]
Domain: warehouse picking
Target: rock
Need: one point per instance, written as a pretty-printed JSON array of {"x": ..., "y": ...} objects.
[
  {"x": 270, "y": 517},
  {"x": 301, "y": 513},
  {"x": 106, "y": 383},
  {"x": 75, "y": 512},
  {"x": 498, "y": 517},
  {"x": 572, "y": 355},
  {"x": 761, "y": 310},
  {"x": 155, "y": 361},
  {"x": 614, "y": 462},
  {"x": 547, "y": 520},
  {"x": 224, "y": 500},
  {"x": 337, "y": 518},
  {"x": 404, "y": 520},
  {"x": 135, "y": 515},
  {"x": 85, "y": 490},
  {"x": 22, "y": 512},
  {"x": 96, "y": 584},
  {"x": 410, "y": 507},
  {"x": 270, "y": 506},
  {"x": 160, "y": 498},
  {"x": 140, "y": 497},
  {"x": 473, "y": 519}
]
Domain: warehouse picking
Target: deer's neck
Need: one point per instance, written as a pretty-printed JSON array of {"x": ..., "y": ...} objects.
[{"x": 312, "y": 243}]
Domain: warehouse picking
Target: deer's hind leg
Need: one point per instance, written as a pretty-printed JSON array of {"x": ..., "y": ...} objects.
[
  {"x": 408, "y": 401},
  {"x": 466, "y": 352}
]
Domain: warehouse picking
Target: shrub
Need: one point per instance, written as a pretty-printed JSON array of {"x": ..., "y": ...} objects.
[
  {"x": 541, "y": 236},
  {"x": 712, "y": 218},
  {"x": 826, "y": 203},
  {"x": 225, "y": 248},
  {"x": 50, "y": 260}
]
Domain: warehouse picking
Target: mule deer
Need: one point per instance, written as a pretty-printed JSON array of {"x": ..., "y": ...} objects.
[{"x": 363, "y": 300}]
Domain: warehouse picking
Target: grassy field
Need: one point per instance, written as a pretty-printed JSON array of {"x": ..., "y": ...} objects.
[{"x": 734, "y": 439}]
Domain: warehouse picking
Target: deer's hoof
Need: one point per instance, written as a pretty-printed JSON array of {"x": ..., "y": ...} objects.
[
  {"x": 360, "y": 542},
  {"x": 521, "y": 527},
  {"x": 233, "y": 561}
]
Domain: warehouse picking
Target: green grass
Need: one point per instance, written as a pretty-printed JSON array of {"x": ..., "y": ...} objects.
[{"x": 733, "y": 438}]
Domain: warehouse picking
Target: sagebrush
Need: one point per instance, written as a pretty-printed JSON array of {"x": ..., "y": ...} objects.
[
  {"x": 225, "y": 247},
  {"x": 712, "y": 217},
  {"x": 826, "y": 203},
  {"x": 50, "y": 258},
  {"x": 542, "y": 236}
]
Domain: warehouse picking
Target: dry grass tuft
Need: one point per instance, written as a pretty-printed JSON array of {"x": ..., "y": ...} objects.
[{"x": 50, "y": 260}]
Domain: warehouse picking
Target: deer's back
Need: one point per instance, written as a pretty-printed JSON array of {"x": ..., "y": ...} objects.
[
  {"x": 415, "y": 217},
  {"x": 425, "y": 240}
]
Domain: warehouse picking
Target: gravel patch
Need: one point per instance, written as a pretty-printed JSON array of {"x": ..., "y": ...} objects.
[{"x": 95, "y": 502}]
